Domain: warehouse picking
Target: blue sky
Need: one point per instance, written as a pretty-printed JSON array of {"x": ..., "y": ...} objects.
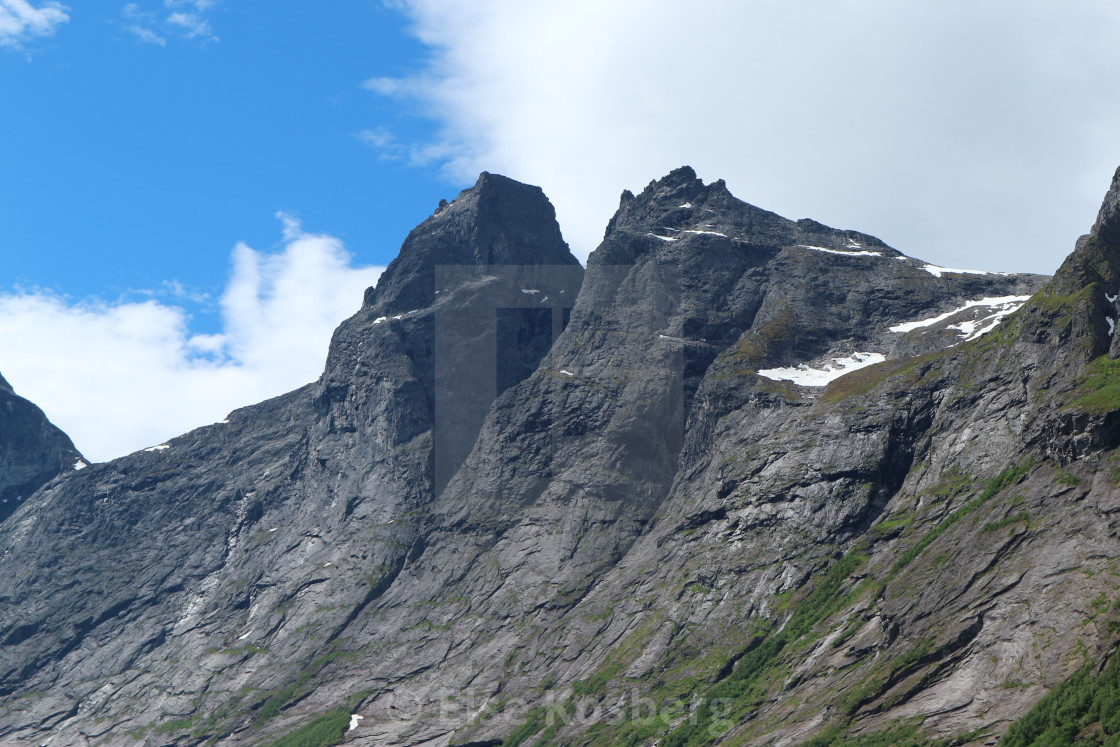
[
  {"x": 129, "y": 164},
  {"x": 193, "y": 193}
]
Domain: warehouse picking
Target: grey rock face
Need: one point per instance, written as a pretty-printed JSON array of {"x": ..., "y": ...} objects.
[
  {"x": 32, "y": 450},
  {"x": 284, "y": 523},
  {"x": 691, "y": 292},
  {"x": 498, "y": 222},
  {"x": 1107, "y": 226},
  {"x": 520, "y": 487}
]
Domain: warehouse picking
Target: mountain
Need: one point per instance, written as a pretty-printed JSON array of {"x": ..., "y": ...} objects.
[
  {"x": 32, "y": 450},
  {"x": 745, "y": 480},
  {"x": 160, "y": 574}
]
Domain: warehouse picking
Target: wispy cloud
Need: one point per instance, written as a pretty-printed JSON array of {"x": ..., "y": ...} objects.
[
  {"x": 187, "y": 20},
  {"x": 142, "y": 24},
  {"x": 198, "y": 5},
  {"x": 388, "y": 146},
  {"x": 193, "y": 26},
  {"x": 948, "y": 128},
  {"x": 393, "y": 86},
  {"x": 175, "y": 289},
  {"x": 147, "y": 35},
  {"x": 124, "y": 375},
  {"x": 20, "y": 21}
]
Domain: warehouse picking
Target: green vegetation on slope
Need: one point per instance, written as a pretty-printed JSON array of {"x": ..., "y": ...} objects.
[
  {"x": 533, "y": 723},
  {"x": 1084, "y": 710},
  {"x": 301, "y": 686},
  {"x": 739, "y": 690},
  {"x": 730, "y": 699},
  {"x": 1100, "y": 392},
  {"x": 764, "y": 343},
  {"x": 909, "y": 371},
  {"x": 903, "y": 735},
  {"x": 324, "y": 731},
  {"x": 729, "y": 702},
  {"x": 995, "y": 486}
]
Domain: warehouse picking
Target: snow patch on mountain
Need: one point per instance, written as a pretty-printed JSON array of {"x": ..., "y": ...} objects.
[
  {"x": 1002, "y": 306},
  {"x": 803, "y": 375},
  {"x": 863, "y": 253}
]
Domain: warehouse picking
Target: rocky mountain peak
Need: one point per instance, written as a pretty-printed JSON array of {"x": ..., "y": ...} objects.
[
  {"x": 680, "y": 207},
  {"x": 1107, "y": 226},
  {"x": 474, "y": 300},
  {"x": 679, "y": 186},
  {"x": 498, "y": 221},
  {"x": 678, "y": 181},
  {"x": 1096, "y": 258}
]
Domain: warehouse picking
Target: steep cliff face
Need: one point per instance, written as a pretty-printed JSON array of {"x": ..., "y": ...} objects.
[
  {"x": 918, "y": 552},
  {"x": 691, "y": 292},
  {"x": 198, "y": 581},
  {"x": 32, "y": 450},
  {"x": 748, "y": 480}
]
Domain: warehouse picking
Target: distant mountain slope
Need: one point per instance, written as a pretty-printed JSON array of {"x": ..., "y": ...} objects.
[{"x": 32, "y": 450}]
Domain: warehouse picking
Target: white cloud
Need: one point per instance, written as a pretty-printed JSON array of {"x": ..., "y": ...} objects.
[
  {"x": 275, "y": 303},
  {"x": 393, "y": 86},
  {"x": 21, "y": 21},
  {"x": 177, "y": 290},
  {"x": 390, "y": 148},
  {"x": 154, "y": 27},
  {"x": 961, "y": 132},
  {"x": 193, "y": 25},
  {"x": 147, "y": 35},
  {"x": 379, "y": 139},
  {"x": 199, "y": 5},
  {"x": 118, "y": 377}
]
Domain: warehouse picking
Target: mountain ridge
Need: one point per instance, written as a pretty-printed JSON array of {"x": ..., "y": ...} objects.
[{"x": 624, "y": 497}]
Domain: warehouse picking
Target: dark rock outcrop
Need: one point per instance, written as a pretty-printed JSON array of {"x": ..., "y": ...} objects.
[
  {"x": 32, "y": 450},
  {"x": 498, "y": 222}
]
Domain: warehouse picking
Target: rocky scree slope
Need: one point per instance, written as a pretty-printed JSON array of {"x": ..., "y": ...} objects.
[{"x": 627, "y": 507}]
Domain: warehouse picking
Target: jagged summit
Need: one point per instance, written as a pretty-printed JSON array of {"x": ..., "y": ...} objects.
[
  {"x": 498, "y": 221},
  {"x": 680, "y": 182},
  {"x": 683, "y": 177},
  {"x": 474, "y": 300},
  {"x": 1107, "y": 226},
  {"x": 814, "y": 291},
  {"x": 679, "y": 206},
  {"x": 1096, "y": 256}
]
